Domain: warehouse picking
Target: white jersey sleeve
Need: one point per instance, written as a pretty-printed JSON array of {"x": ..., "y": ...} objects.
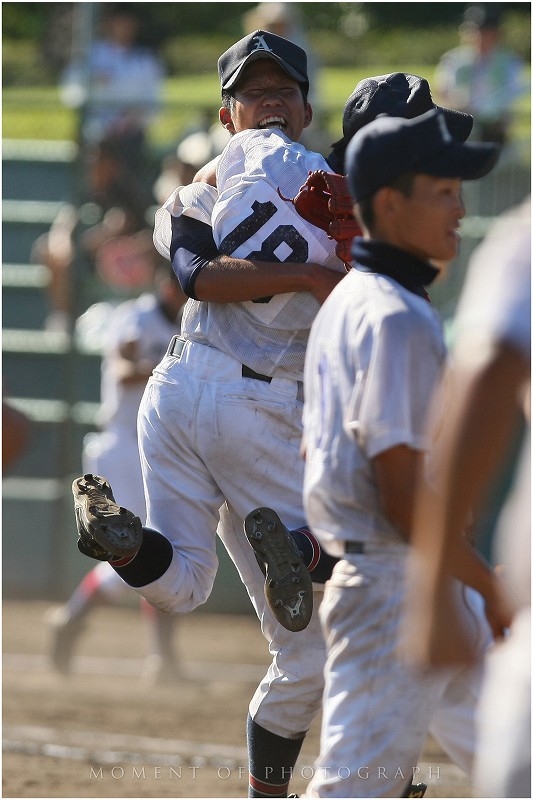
[{"x": 195, "y": 200}]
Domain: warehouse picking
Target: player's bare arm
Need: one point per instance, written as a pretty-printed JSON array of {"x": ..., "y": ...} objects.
[
  {"x": 396, "y": 471},
  {"x": 208, "y": 173},
  {"x": 205, "y": 274},
  {"x": 474, "y": 446},
  {"x": 231, "y": 280}
]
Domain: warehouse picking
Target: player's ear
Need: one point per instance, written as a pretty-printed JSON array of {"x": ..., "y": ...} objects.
[
  {"x": 308, "y": 115},
  {"x": 386, "y": 199},
  {"x": 226, "y": 120}
]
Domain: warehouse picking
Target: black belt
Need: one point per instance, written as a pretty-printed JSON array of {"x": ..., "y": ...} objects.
[
  {"x": 250, "y": 373},
  {"x": 354, "y": 547},
  {"x": 176, "y": 349}
]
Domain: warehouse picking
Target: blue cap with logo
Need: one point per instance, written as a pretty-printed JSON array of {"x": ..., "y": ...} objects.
[
  {"x": 390, "y": 146},
  {"x": 262, "y": 44}
]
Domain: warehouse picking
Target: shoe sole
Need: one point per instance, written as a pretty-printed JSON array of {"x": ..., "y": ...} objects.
[
  {"x": 113, "y": 527},
  {"x": 288, "y": 585}
]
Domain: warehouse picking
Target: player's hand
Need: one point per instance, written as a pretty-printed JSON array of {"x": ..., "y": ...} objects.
[
  {"x": 499, "y": 607},
  {"x": 323, "y": 281}
]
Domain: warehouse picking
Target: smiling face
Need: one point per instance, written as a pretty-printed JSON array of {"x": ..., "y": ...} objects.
[
  {"x": 425, "y": 223},
  {"x": 266, "y": 97}
]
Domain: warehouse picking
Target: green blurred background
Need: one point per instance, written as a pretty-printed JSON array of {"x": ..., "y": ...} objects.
[
  {"x": 52, "y": 376},
  {"x": 348, "y": 40}
]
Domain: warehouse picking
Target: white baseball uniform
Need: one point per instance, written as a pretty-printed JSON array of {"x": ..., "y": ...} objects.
[
  {"x": 114, "y": 452},
  {"x": 375, "y": 353},
  {"x": 216, "y": 443},
  {"x": 495, "y": 306}
]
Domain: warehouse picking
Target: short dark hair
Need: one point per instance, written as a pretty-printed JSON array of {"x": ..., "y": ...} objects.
[
  {"x": 228, "y": 99},
  {"x": 365, "y": 207}
]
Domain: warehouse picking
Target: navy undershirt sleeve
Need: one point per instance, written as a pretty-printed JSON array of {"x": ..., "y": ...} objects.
[{"x": 191, "y": 248}]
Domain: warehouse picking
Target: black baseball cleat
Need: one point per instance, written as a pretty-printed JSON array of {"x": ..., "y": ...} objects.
[
  {"x": 288, "y": 586},
  {"x": 105, "y": 530}
]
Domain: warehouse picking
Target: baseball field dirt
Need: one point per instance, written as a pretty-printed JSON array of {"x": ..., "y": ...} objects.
[{"x": 105, "y": 731}]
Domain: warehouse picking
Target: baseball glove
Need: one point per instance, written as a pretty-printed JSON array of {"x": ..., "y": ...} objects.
[{"x": 324, "y": 200}]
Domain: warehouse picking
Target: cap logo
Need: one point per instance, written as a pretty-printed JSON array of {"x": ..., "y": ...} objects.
[
  {"x": 445, "y": 133},
  {"x": 261, "y": 44}
]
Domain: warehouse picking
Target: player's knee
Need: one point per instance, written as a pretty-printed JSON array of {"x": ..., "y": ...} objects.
[{"x": 194, "y": 584}]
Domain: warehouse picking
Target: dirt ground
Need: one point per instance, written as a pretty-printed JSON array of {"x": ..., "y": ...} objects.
[{"x": 105, "y": 731}]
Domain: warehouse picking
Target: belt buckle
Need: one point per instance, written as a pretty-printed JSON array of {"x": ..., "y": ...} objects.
[{"x": 176, "y": 346}]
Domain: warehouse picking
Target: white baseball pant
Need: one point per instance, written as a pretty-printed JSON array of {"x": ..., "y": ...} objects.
[
  {"x": 377, "y": 713},
  {"x": 214, "y": 446}
]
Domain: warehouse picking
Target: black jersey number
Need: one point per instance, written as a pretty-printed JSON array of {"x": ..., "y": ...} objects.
[{"x": 283, "y": 234}]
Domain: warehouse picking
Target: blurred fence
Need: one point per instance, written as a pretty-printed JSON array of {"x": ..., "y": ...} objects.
[{"x": 54, "y": 377}]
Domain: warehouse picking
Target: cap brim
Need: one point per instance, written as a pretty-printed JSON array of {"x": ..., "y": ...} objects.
[
  {"x": 458, "y": 123},
  {"x": 261, "y": 54},
  {"x": 467, "y": 161}
]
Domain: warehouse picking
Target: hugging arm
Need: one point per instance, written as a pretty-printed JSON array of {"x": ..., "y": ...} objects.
[{"x": 205, "y": 274}]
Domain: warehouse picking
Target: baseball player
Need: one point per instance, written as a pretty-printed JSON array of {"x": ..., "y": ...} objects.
[
  {"x": 375, "y": 352},
  {"x": 136, "y": 338},
  {"x": 233, "y": 435},
  {"x": 487, "y": 385},
  {"x": 244, "y": 414}
]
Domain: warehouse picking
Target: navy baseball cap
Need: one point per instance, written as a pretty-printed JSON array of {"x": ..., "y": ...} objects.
[
  {"x": 390, "y": 146},
  {"x": 262, "y": 44},
  {"x": 398, "y": 94}
]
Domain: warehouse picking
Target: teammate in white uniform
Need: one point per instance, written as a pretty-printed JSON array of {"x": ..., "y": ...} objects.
[
  {"x": 488, "y": 385},
  {"x": 375, "y": 352},
  {"x": 136, "y": 338}
]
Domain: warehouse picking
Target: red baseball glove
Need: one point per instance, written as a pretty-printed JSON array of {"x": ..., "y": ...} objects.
[{"x": 324, "y": 200}]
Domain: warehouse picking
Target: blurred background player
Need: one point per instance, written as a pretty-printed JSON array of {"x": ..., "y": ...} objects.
[
  {"x": 90, "y": 239},
  {"x": 194, "y": 151},
  {"x": 134, "y": 336},
  {"x": 482, "y": 76},
  {"x": 123, "y": 85},
  {"x": 117, "y": 90}
]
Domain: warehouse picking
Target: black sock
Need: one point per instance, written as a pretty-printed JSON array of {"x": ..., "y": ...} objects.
[
  {"x": 319, "y": 563},
  {"x": 150, "y": 562},
  {"x": 272, "y": 759}
]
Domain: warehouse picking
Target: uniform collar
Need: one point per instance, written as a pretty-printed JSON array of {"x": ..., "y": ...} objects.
[{"x": 371, "y": 255}]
